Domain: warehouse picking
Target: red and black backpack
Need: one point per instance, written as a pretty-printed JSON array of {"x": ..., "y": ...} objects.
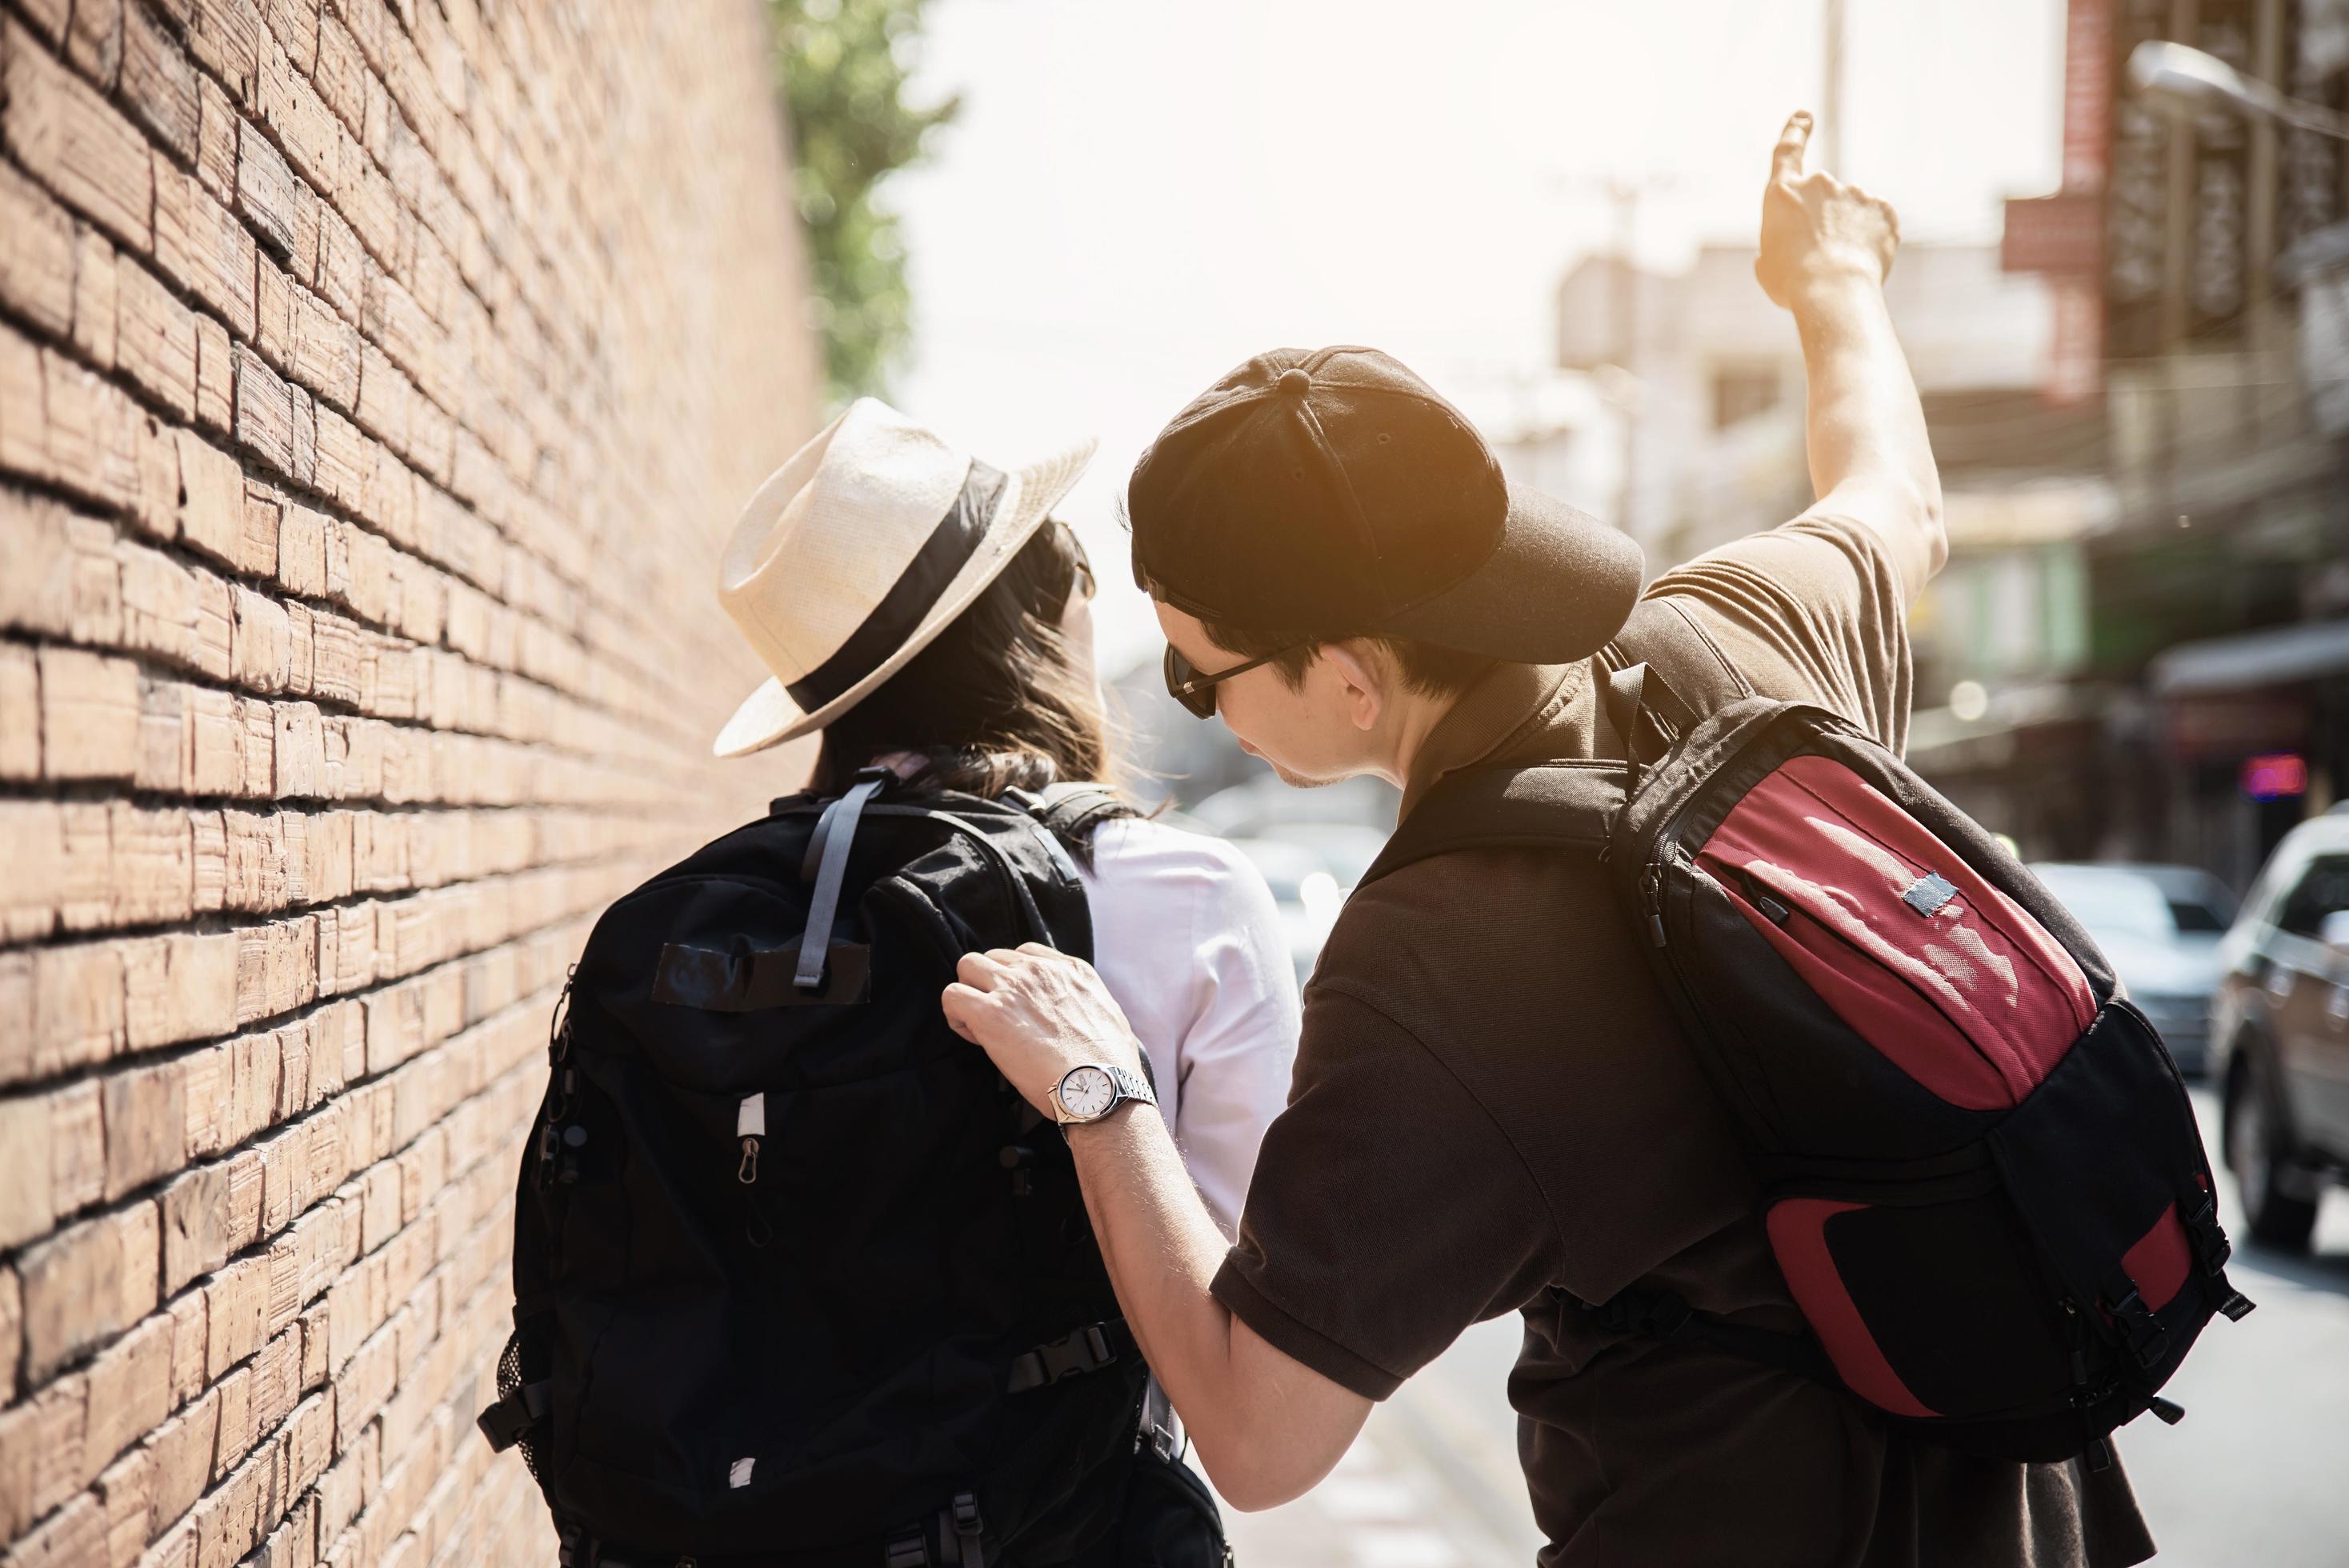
[{"x": 1980, "y": 1173}]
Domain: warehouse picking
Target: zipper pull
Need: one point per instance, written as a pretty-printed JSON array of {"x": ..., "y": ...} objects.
[
  {"x": 749, "y": 1126},
  {"x": 1652, "y": 897}
]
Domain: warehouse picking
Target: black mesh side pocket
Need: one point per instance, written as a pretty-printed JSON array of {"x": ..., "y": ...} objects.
[{"x": 517, "y": 1418}]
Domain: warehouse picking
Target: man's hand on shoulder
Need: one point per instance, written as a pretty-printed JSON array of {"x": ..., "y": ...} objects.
[{"x": 1036, "y": 1012}]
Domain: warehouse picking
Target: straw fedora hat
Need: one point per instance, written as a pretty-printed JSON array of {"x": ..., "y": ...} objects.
[{"x": 858, "y": 552}]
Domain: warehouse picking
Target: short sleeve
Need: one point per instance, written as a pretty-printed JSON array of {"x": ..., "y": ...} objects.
[
  {"x": 1809, "y": 611},
  {"x": 1389, "y": 1211}
]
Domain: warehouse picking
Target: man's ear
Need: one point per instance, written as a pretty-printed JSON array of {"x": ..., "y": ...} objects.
[{"x": 1361, "y": 665}]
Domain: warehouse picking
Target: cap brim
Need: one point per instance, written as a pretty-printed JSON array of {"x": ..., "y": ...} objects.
[
  {"x": 769, "y": 715},
  {"x": 1556, "y": 587}
]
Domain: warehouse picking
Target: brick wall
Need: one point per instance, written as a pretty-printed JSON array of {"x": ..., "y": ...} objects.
[{"x": 375, "y": 381}]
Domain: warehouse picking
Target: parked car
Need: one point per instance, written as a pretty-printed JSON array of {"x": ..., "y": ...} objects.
[
  {"x": 2161, "y": 926},
  {"x": 2280, "y": 1033}
]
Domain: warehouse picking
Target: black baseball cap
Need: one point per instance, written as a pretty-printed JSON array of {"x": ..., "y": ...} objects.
[{"x": 1333, "y": 493}]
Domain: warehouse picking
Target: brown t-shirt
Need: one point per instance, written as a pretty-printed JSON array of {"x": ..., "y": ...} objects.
[{"x": 1490, "y": 1099}]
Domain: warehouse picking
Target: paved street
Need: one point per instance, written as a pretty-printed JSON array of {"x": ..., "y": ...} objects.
[{"x": 2254, "y": 1477}]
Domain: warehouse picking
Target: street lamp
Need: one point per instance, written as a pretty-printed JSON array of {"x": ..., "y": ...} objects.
[{"x": 2180, "y": 81}]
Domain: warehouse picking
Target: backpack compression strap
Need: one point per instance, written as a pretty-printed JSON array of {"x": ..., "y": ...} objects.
[{"x": 834, "y": 833}]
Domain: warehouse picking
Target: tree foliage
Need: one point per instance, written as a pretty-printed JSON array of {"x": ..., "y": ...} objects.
[{"x": 843, "y": 65}]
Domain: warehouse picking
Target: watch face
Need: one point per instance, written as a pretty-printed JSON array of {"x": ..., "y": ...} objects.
[{"x": 1086, "y": 1092}]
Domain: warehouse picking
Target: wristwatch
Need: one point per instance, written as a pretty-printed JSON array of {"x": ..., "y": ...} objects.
[{"x": 1090, "y": 1092}]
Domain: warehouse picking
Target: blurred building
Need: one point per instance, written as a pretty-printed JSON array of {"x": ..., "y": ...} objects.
[
  {"x": 2214, "y": 268},
  {"x": 1709, "y": 375},
  {"x": 2219, "y": 590}
]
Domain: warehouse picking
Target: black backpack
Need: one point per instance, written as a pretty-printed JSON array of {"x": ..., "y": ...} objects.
[
  {"x": 1980, "y": 1175},
  {"x": 799, "y": 1279}
]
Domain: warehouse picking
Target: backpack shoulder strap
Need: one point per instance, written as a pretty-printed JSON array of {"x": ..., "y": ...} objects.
[
  {"x": 1076, "y": 809},
  {"x": 1664, "y": 674},
  {"x": 1568, "y": 805}
]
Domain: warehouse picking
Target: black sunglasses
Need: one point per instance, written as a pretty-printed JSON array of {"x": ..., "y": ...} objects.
[{"x": 1196, "y": 692}]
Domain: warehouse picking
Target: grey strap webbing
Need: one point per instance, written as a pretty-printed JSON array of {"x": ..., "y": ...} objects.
[{"x": 837, "y": 828}]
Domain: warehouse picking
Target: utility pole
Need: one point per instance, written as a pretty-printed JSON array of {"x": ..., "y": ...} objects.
[
  {"x": 1625, "y": 195},
  {"x": 1829, "y": 137}
]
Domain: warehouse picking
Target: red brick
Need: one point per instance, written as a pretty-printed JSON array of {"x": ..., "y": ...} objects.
[
  {"x": 182, "y": 1448},
  {"x": 291, "y": 108},
  {"x": 215, "y": 378},
  {"x": 12, "y": 1330},
  {"x": 74, "y": 1537},
  {"x": 152, "y": 865},
  {"x": 130, "y": 1391},
  {"x": 127, "y": 1493},
  {"x": 94, "y": 41},
  {"x": 158, "y": 82},
  {"x": 89, "y": 715},
  {"x": 51, "y": 17},
  {"x": 87, "y": 1285},
  {"x": 76, "y": 1147},
  {"x": 265, "y": 412},
  {"x": 156, "y": 338},
  {"x": 146, "y": 1125},
  {"x": 25, "y": 1210},
  {"x": 218, "y": 131},
  {"x": 70, "y": 139},
  {"x": 191, "y": 1325},
  {"x": 265, "y": 193},
  {"x": 94, "y": 315},
  {"x": 78, "y": 997},
  {"x": 36, "y": 253},
  {"x": 24, "y": 416},
  {"x": 93, "y": 430},
  {"x": 225, "y": 36},
  {"x": 199, "y": 243}
]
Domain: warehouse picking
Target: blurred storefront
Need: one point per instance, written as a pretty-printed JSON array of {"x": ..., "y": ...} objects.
[{"x": 2218, "y": 594}]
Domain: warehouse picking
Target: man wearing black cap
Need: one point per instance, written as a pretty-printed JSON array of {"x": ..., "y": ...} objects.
[{"x": 1491, "y": 1111}]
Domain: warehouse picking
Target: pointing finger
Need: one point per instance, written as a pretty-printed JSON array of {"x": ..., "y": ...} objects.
[{"x": 1786, "y": 158}]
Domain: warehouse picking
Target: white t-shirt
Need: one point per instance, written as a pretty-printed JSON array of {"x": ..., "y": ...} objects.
[{"x": 1187, "y": 939}]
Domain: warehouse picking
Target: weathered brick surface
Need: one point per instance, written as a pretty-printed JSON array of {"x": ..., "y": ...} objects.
[{"x": 376, "y": 380}]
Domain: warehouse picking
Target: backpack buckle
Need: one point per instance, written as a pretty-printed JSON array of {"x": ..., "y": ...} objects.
[
  {"x": 2211, "y": 1249},
  {"x": 1088, "y": 1349},
  {"x": 506, "y": 1422},
  {"x": 906, "y": 1549},
  {"x": 2147, "y": 1339}
]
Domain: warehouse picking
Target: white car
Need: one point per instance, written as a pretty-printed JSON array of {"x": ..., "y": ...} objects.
[{"x": 2160, "y": 927}]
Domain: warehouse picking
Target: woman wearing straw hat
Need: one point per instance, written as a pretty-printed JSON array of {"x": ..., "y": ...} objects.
[{"x": 926, "y": 613}]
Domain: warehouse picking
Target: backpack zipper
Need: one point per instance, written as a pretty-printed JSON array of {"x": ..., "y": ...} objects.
[{"x": 749, "y": 1126}]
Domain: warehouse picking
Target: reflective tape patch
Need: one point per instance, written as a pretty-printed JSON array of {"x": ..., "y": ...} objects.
[
  {"x": 1929, "y": 893},
  {"x": 739, "y": 1473}
]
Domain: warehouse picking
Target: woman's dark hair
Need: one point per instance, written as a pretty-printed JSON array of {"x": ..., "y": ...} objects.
[{"x": 997, "y": 701}]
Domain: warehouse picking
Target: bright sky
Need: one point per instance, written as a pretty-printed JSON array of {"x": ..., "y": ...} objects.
[{"x": 1139, "y": 194}]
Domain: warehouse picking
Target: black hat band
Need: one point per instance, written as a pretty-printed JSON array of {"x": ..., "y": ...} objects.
[{"x": 911, "y": 598}]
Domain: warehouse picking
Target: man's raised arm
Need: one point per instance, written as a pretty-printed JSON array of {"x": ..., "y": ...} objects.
[{"x": 1826, "y": 249}]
